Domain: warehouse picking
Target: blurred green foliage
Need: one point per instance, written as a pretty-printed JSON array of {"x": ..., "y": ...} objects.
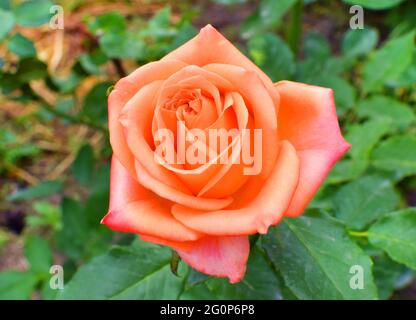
[{"x": 361, "y": 214}]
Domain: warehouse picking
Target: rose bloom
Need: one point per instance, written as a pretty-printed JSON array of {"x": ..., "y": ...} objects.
[{"x": 206, "y": 212}]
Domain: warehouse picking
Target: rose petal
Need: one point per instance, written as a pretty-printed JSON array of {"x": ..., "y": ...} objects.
[
  {"x": 134, "y": 209},
  {"x": 195, "y": 77},
  {"x": 266, "y": 209},
  {"x": 219, "y": 256},
  {"x": 308, "y": 119},
  {"x": 123, "y": 188},
  {"x": 201, "y": 178},
  {"x": 123, "y": 91},
  {"x": 210, "y": 46},
  {"x": 177, "y": 245},
  {"x": 176, "y": 196},
  {"x": 136, "y": 118},
  {"x": 260, "y": 105},
  {"x": 149, "y": 217},
  {"x": 231, "y": 176}
]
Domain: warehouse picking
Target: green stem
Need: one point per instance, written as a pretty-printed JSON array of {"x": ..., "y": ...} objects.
[
  {"x": 174, "y": 262},
  {"x": 359, "y": 234},
  {"x": 294, "y": 30}
]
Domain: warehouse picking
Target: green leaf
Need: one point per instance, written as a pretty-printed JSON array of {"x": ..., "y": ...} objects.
[
  {"x": 396, "y": 234},
  {"x": 101, "y": 181},
  {"x": 375, "y": 4},
  {"x": 388, "y": 63},
  {"x": 43, "y": 189},
  {"x": 195, "y": 277},
  {"x": 7, "y": 23},
  {"x": 108, "y": 22},
  {"x": 140, "y": 271},
  {"x": 38, "y": 254},
  {"x": 260, "y": 282},
  {"x": 379, "y": 106},
  {"x": 126, "y": 45},
  {"x": 83, "y": 166},
  {"x": 161, "y": 19},
  {"x": 317, "y": 52},
  {"x": 31, "y": 69},
  {"x": 5, "y": 5},
  {"x": 33, "y": 13},
  {"x": 387, "y": 275},
  {"x": 185, "y": 33},
  {"x": 82, "y": 236},
  {"x": 14, "y": 153},
  {"x": 65, "y": 104},
  {"x": 198, "y": 292},
  {"x": 115, "y": 41},
  {"x": 8, "y": 83},
  {"x": 158, "y": 30},
  {"x": 397, "y": 154},
  {"x": 91, "y": 62},
  {"x": 346, "y": 170},
  {"x": 95, "y": 102},
  {"x": 267, "y": 16},
  {"x": 315, "y": 257},
  {"x": 96, "y": 207},
  {"x": 15, "y": 285},
  {"x": 363, "y": 200},
  {"x": 338, "y": 65},
  {"x": 358, "y": 42},
  {"x": 344, "y": 93},
  {"x": 322, "y": 200},
  {"x": 21, "y": 46},
  {"x": 402, "y": 20},
  {"x": 372, "y": 130},
  {"x": 47, "y": 292},
  {"x": 68, "y": 83},
  {"x": 72, "y": 238},
  {"x": 317, "y": 47},
  {"x": 47, "y": 215},
  {"x": 273, "y": 56},
  {"x": 408, "y": 78}
]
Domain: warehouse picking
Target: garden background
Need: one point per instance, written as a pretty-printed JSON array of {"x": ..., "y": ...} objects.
[{"x": 54, "y": 149}]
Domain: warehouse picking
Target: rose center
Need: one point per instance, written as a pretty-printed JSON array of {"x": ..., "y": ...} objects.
[{"x": 185, "y": 102}]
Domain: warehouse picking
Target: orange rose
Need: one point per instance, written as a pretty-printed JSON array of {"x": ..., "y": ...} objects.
[{"x": 206, "y": 209}]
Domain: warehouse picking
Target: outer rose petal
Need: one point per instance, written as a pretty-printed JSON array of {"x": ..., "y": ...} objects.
[
  {"x": 123, "y": 91},
  {"x": 123, "y": 188},
  {"x": 134, "y": 209},
  {"x": 308, "y": 119},
  {"x": 219, "y": 256},
  {"x": 149, "y": 217},
  {"x": 176, "y": 245},
  {"x": 261, "y": 105},
  {"x": 173, "y": 195},
  {"x": 210, "y": 46},
  {"x": 136, "y": 116},
  {"x": 266, "y": 209}
]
